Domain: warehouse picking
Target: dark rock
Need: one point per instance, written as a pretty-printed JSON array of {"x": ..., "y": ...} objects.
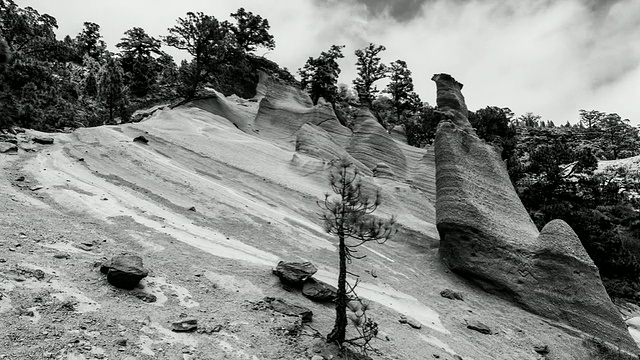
[
  {"x": 124, "y": 271},
  {"x": 410, "y": 321},
  {"x": 319, "y": 291},
  {"x": 457, "y": 357},
  {"x": 293, "y": 273},
  {"x": 62, "y": 256},
  {"x": 36, "y": 187},
  {"x": 8, "y": 148},
  {"x": 487, "y": 236},
  {"x": 145, "y": 296},
  {"x": 541, "y": 349},
  {"x": 283, "y": 307},
  {"x": 479, "y": 327},
  {"x": 141, "y": 139},
  {"x": 121, "y": 342},
  {"x": 450, "y": 294},
  {"x": 185, "y": 325},
  {"x": 20, "y": 178},
  {"x": 43, "y": 140},
  {"x": 193, "y": 208}
]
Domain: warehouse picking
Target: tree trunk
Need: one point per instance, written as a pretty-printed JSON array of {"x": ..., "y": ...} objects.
[{"x": 339, "y": 329}]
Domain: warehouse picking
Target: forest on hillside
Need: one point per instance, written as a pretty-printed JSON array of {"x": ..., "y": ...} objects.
[{"x": 58, "y": 85}]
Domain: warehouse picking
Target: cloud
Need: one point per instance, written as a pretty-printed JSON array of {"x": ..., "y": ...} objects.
[{"x": 551, "y": 57}]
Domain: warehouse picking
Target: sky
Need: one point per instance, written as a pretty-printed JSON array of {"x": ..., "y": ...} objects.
[{"x": 549, "y": 57}]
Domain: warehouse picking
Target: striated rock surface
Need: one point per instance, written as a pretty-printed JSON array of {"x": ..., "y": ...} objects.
[
  {"x": 487, "y": 236},
  {"x": 371, "y": 144}
]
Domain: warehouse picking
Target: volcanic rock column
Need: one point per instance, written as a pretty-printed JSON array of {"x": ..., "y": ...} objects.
[{"x": 487, "y": 236}]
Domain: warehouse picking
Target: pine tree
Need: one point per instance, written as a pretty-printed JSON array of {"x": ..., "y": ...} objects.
[
  {"x": 370, "y": 69},
  {"x": 319, "y": 76},
  {"x": 400, "y": 89},
  {"x": 111, "y": 87},
  {"x": 349, "y": 218}
]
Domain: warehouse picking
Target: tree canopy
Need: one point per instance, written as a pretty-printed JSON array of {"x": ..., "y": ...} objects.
[
  {"x": 252, "y": 31},
  {"x": 370, "y": 69},
  {"x": 319, "y": 76}
]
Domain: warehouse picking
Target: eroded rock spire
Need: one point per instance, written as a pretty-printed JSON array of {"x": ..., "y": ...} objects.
[{"x": 487, "y": 235}]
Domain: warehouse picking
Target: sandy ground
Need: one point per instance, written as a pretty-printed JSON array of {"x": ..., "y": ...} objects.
[{"x": 103, "y": 194}]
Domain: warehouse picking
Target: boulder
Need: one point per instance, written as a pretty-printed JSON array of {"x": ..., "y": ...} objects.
[
  {"x": 319, "y": 291},
  {"x": 8, "y": 148},
  {"x": 450, "y": 294},
  {"x": 141, "y": 139},
  {"x": 185, "y": 325},
  {"x": 410, "y": 321},
  {"x": 294, "y": 273},
  {"x": 487, "y": 236},
  {"x": 479, "y": 327},
  {"x": 124, "y": 271}
]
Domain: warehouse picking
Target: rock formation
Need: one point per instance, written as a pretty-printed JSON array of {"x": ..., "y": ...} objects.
[{"x": 488, "y": 237}]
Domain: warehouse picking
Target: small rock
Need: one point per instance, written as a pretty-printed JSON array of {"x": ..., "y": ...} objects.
[
  {"x": 317, "y": 290},
  {"x": 124, "y": 271},
  {"x": 283, "y": 307},
  {"x": 185, "y": 325},
  {"x": 81, "y": 159},
  {"x": 121, "y": 342},
  {"x": 21, "y": 178},
  {"x": 43, "y": 140},
  {"x": 294, "y": 273},
  {"x": 479, "y": 327},
  {"x": 450, "y": 294},
  {"x": 62, "y": 256},
  {"x": 317, "y": 357},
  {"x": 193, "y": 208},
  {"x": 36, "y": 187},
  {"x": 146, "y": 297},
  {"x": 541, "y": 349},
  {"x": 141, "y": 139},
  {"x": 410, "y": 321},
  {"x": 457, "y": 357}
]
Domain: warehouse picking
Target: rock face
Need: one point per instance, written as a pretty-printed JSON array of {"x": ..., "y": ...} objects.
[
  {"x": 487, "y": 236},
  {"x": 124, "y": 271}
]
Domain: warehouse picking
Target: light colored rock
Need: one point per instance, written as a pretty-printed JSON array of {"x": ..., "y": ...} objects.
[{"x": 487, "y": 235}]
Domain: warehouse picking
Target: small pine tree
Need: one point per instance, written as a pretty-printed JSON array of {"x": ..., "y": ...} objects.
[
  {"x": 349, "y": 217},
  {"x": 111, "y": 87}
]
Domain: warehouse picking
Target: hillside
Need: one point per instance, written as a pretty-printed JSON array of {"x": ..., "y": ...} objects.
[{"x": 252, "y": 170}]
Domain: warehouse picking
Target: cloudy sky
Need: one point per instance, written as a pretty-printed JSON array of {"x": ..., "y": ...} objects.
[{"x": 550, "y": 57}]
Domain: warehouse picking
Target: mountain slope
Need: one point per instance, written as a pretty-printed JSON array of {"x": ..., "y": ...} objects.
[{"x": 236, "y": 162}]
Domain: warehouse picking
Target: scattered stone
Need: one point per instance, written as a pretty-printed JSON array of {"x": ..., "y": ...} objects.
[
  {"x": 141, "y": 139},
  {"x": 319, "y": 291},
  {"x": 124, "y": 271},
  {"x": 121, "y": 342},
  {"x": 410, "y": 321},
  {"x": 450, "y": 294},
  {"x": 283, "y": 307},
  {"x": 479, "y": 327},
  {"x": 185, "y": 325},
  {"x": 193, "y": 208},
  {"x": 36, "y": 187},
  {"x": 145, "y": 296},
  {"x": 8, "y": 148},
  {"x": 294, "y": 273},
  {"x": 541, "y": 349},
  {"x": 43, "y": 140}
]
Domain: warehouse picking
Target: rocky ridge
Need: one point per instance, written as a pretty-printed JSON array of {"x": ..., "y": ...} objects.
[{"x": 487, "y": 236}]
